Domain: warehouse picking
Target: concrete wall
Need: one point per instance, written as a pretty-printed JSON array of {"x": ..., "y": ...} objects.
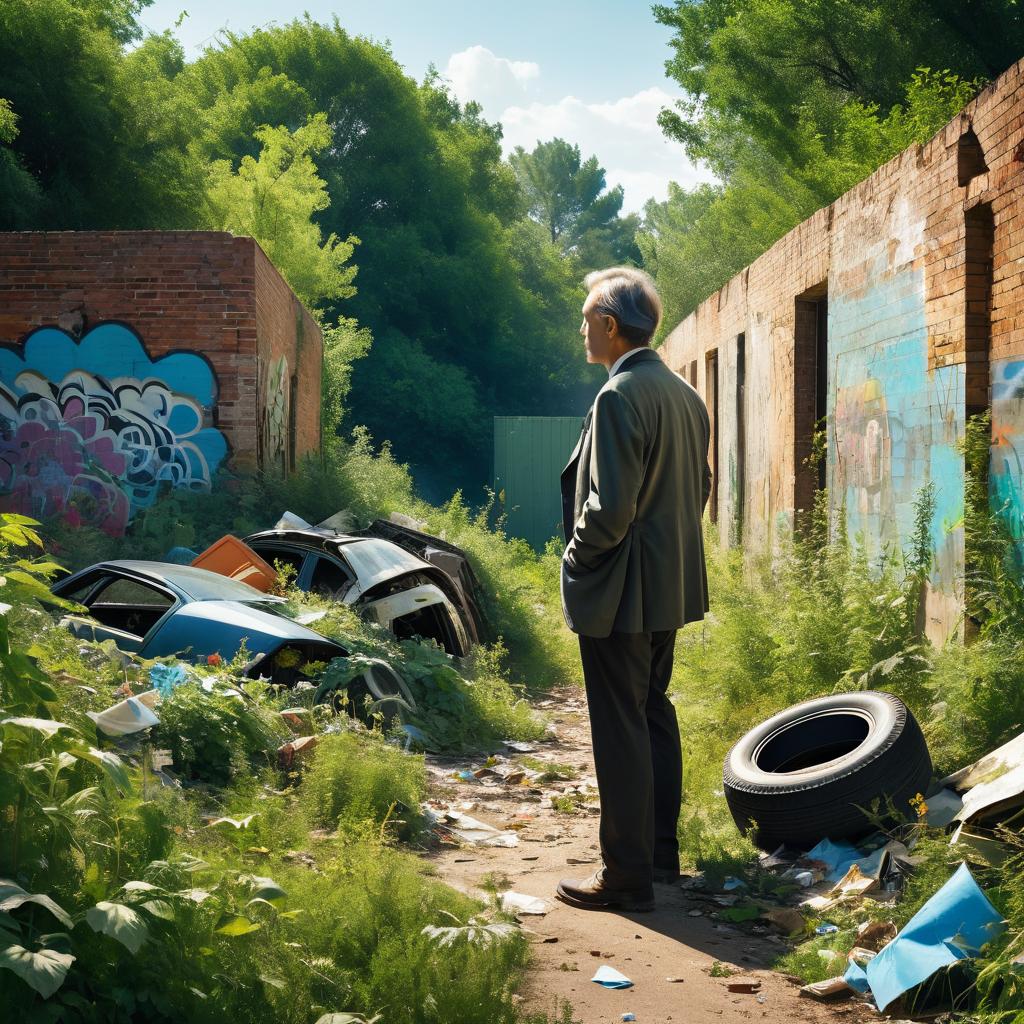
[
  {"x": 131, "y": 362},
  {"x": 925, "y": 322}
]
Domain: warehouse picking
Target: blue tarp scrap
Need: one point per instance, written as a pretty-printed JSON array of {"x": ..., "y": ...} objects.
[{"x": 955, "y": 924}]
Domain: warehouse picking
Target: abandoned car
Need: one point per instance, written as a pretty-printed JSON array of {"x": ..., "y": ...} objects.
[
  {"x": 155, "y": 609},
  {"x": 384, "y": 582}
]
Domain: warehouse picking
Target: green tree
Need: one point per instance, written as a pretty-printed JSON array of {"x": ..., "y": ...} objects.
[
  {"x": 19, "y": 192},
  {"x": 696, "y": 240},
  {"x": 751, "y": 67},
  {"x": 273, "y": 198},
  {"x": 567, "y": 195}
]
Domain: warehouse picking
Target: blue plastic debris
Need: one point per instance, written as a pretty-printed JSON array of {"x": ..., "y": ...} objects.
[
  {"x": 953, "y": 925},
  {"x": 733, "y": 883},
  {"x": 608, "y": 977},
  {"x": 826, "y": 929},
  {"x": 166, "y": 677},
  {"x": 629, "y": 1016}
]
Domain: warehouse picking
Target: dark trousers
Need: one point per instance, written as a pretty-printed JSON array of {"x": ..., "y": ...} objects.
[{"x": 637, "y": 753}]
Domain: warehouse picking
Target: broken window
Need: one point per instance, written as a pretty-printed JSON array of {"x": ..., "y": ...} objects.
[
  {"x": 979, "y": 237},
  {"x": 810, "y": 393},
  {"x": 970, "y": 160},
  {"x": 130, "y": 606},
  {"x": 330, "y": 579}
]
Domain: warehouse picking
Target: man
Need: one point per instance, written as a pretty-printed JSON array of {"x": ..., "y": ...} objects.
[{"x": 633, "y": 571}]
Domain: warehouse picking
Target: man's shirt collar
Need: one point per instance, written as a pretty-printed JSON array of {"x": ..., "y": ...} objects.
[{"x": 625, "y": 355}]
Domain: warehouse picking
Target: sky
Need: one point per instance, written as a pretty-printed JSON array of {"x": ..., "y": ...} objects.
[{"x": 588, "y": 71}]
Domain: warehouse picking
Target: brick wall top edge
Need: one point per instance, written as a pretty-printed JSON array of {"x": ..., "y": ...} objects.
[
  {"x": 931, "y": 152},
  {"x": 148, "y": 235}
]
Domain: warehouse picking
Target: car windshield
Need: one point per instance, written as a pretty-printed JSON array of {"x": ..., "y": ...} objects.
[{"x": 377, "y": 560}]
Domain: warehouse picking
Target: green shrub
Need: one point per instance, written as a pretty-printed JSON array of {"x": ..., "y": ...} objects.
[
  {"x": 354, "y": 777},
  {"x": 215, "y": 735}
]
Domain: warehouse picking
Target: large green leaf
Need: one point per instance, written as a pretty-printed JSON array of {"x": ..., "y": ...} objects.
[
  {"x": 44, "y": 971},
  {"x": 264, "y": 888},
  {"x": 13, "y": 896},
  {"x": 238, "y": 926},
  {"x": 109, "y": 762},
  {"x": 44, "y": 726},
  {"x": 120, "y": 923}
]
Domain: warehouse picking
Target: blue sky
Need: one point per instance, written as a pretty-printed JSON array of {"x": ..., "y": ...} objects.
[{"x": 590, "y": 72}]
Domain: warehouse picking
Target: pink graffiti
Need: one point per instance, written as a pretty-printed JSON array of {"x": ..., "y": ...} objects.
[{"x": 65, "y": 467}]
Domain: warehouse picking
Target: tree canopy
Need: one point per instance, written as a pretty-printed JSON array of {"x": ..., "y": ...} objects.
[{"x": 791, "y": 103}]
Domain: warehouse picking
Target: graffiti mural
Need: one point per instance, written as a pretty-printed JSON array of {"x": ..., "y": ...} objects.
[
  {"x": 1006, "y": 467},
  {"x": 895, "y": 423},
  {"x": 275, "y": 416},
  {"x": 94, "y": 431}
]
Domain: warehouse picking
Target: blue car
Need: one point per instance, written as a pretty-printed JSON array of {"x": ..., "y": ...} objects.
[{"x": 155, "y": 609}]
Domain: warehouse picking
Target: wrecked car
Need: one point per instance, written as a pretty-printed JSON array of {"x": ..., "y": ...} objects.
[
  {"x": 155, "y": 609},
  {"x": 407, "y": 533},
  {"x": 382, "y": 581}
]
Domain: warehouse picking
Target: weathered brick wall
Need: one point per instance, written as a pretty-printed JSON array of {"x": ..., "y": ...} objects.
[
  {"x": 289, "y": 356},
  {"x": 920, "y": 267},
  {"x": 129, "y": 362}
]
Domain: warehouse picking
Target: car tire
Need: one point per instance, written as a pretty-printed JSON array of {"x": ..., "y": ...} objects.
[{"x": 806, "y": 773}]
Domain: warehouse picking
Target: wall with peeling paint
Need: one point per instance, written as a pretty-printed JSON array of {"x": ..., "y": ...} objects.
[{"x": 904, "y": 295}]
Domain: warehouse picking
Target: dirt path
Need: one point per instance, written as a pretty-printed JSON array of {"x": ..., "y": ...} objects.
[{"x": 668, "y": 954}]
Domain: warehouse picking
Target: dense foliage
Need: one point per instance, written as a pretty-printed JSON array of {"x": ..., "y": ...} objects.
[
  {"x": 791, "y": 104},
  {"x": 320, "y": 146}
]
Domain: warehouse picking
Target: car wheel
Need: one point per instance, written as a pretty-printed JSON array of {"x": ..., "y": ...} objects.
[
  {"x": 806, "y": 773},
  {"x": 388, "y": 695}
]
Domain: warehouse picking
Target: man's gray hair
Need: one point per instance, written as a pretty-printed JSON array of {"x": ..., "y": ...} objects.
[{"x": 630, "y": 296}]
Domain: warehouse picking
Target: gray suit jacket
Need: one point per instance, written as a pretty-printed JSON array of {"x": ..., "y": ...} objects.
[{"x": 633, "y": 495}]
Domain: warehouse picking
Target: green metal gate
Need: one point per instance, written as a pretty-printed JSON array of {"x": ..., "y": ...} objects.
[{"x": 529, "y": 455}]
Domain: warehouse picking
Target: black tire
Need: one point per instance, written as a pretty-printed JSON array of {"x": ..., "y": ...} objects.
[{"x": 801, "y": 774}]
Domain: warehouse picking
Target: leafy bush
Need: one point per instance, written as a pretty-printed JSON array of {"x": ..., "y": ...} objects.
[
  {"x": 354, "y": 777},
  {"x": 215, "y": 735}
]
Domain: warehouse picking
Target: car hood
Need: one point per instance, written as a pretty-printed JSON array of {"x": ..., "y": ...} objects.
[{"x": 209, "y": 627}]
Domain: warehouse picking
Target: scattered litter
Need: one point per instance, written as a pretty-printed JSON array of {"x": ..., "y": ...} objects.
[
  {"x": 164, "y": 678},
  {"x": 875, "y": 934},
  {"x": 609, "y": 977},
  {"x": 629, "y": 1016},
  {"x": 516, "y": 747},
  {"x": 943, "y": 807},
  {"x": 854, "y": 883},
  {"x": 520, "y": 903},
  {"x": 127, "y": 716},
  {"x": 297, "y": 718},
  {"x": 826, "y": 929},
  {"x": 804, "y": 879},
  {"x": 733, "y": 883},
  {"x": 828, "y": 989},
  {"x": 295, "y": 750},
  {"x": 696, "y": 913},
  {"x": 990, "y": 767},
  {"x": 676, "y": 981},
  {"x": 953, "y": 925},
  {"x": 470, "y": 830},
  {"x": 580, "y": 860},
  {"x": 747, "y": 985}
]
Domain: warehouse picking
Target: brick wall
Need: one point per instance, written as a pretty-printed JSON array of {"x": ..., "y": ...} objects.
[
  {"x": 141, "y": 353},
  {"x": 920, "y": 267}
]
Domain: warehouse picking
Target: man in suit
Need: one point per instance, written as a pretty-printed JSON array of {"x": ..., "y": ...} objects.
[{"x": 633, "y": 572}]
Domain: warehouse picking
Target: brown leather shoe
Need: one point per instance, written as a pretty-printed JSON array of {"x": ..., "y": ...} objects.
[{"x": 593, "y": 894}]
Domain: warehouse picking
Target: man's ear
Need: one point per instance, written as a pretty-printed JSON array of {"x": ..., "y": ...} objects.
[{"x": 612, "y": 325}]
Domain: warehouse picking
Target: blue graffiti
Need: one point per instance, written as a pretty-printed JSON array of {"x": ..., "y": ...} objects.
[{"x": 96, "y": 430}]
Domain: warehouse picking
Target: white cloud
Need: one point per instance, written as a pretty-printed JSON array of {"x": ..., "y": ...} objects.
[
  {"x": 624, "y": 135},
  {"x": 494, "y": 82}
]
